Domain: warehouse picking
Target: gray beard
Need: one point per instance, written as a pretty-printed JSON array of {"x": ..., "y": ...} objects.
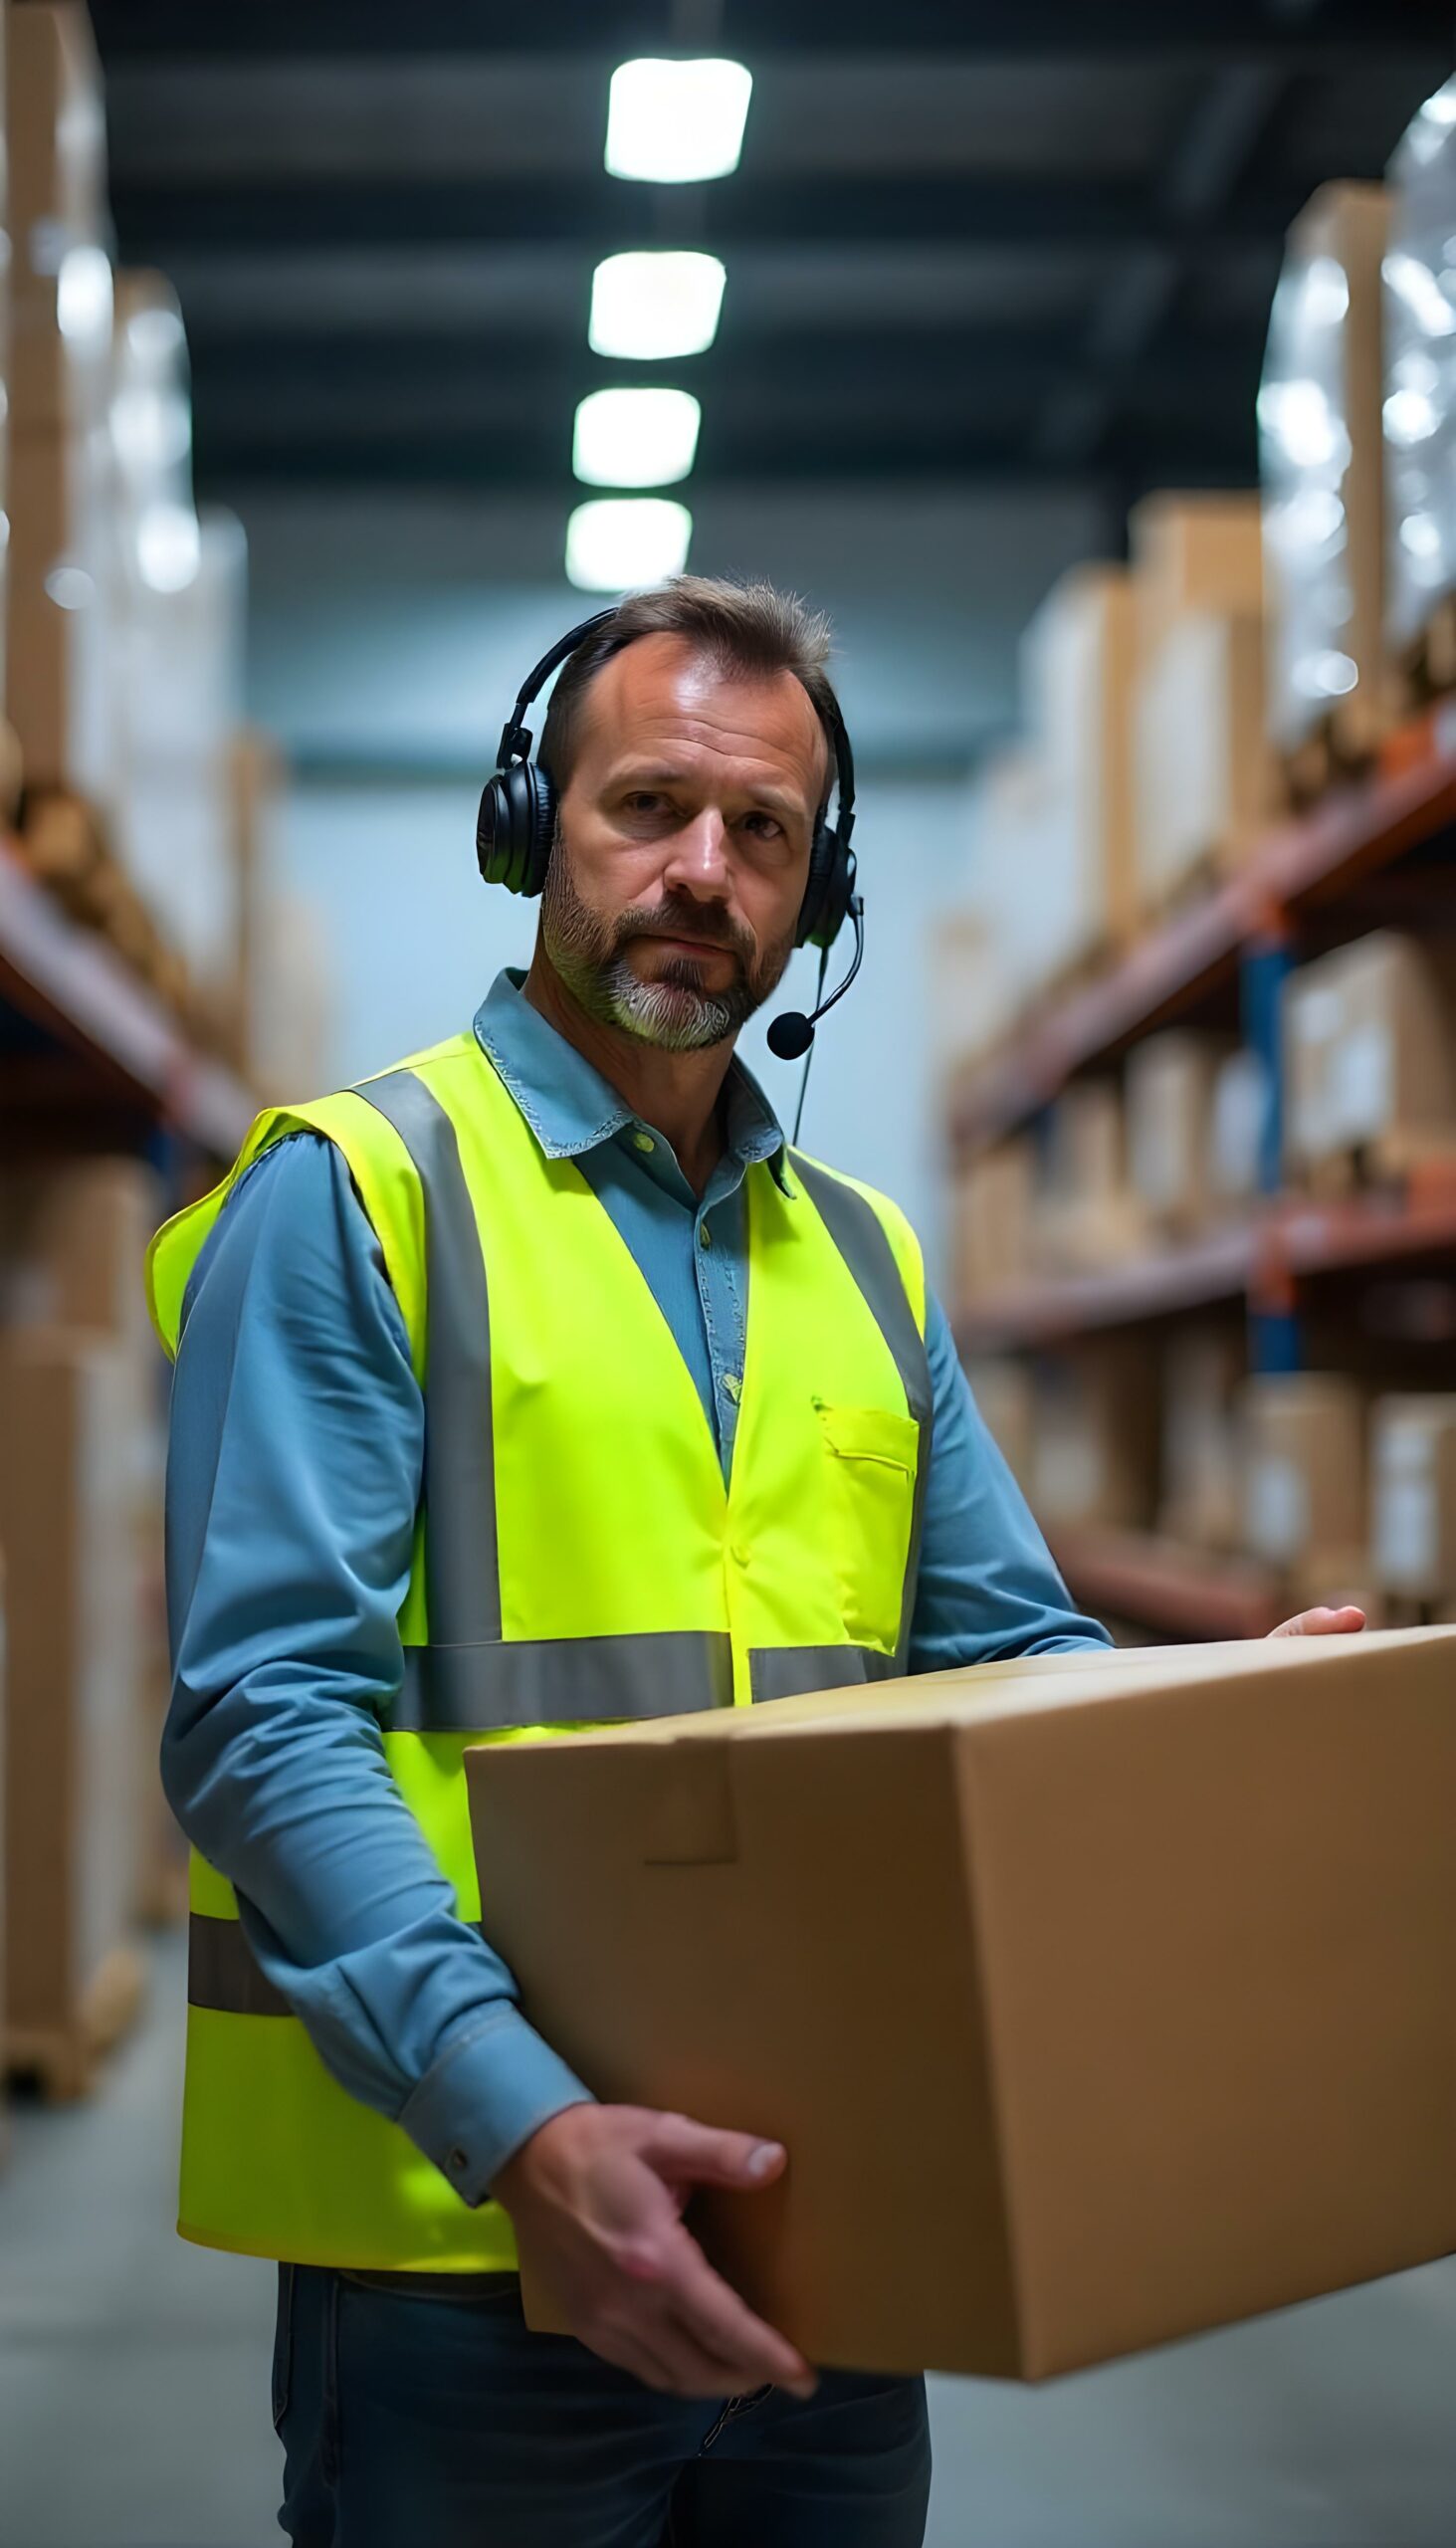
[{"x": 674, "y": 1014}]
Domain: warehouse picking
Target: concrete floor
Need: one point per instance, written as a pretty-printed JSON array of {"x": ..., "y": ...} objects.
[{"x": 133, "y": 2384}]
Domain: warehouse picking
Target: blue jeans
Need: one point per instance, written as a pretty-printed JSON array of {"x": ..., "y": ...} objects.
[{"x": 412, "y": 2422}]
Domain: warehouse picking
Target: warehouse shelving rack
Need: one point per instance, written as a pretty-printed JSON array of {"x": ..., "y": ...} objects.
[
  {"x": 1369, "y": 851},
  {"x": 83, "y": 1043}
]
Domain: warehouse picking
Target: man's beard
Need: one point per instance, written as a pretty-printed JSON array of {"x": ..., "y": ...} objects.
[{"x": 674, "y": 1013}]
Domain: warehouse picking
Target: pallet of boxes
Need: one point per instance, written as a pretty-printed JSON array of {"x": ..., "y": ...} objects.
[{"x": 86, "y": 1837}]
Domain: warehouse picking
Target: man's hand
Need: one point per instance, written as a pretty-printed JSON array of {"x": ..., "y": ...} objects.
[
  {"x": 597, "y": 2196},
  {"x": 1346, "y": 1622}
]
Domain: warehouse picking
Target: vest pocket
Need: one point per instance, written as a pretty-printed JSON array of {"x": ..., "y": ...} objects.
[{"x": 872, "y": 1465}]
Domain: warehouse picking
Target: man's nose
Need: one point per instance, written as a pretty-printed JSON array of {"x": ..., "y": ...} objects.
[{"x": 699, "y": 860}]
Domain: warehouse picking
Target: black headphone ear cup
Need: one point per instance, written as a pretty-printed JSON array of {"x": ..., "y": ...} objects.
[
  {"x": 825, "y": 905},
  {"x": 515, "y": 828}
]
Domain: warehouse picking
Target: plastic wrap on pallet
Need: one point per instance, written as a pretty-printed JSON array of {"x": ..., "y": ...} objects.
[
  {"x": 1320, "y": 469},
  {"x": 1419, "y": 412}
]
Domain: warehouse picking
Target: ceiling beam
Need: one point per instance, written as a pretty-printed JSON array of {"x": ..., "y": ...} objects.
[
  {"x": 156, "y": 222},
  {"x": 1206, "y": 32}
]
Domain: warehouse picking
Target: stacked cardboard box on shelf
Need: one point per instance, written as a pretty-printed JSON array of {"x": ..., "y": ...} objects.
[
  {"x": 992, "y": 1222},
  {"x": 80, "y": 1524},
  {"x": 1171, "y": 1081},
  {"x": 1204, "y": 1370},
  {"x": 1087, "y": 1214},
  {"x": 1413, "y": 1499},
  {"x": 1077, "y": 660},
  {"x": 1419, "y": 409},
  {"x": 1369, "y": 1046},
  {"x": 1321, "y": 467},
  {"x": 59, "y": 655},
  {"x": 1203, "y": 778},
  {"x": 1306, "y": 1507},
  {"x": 1095, "y": 1459},
  {"x": 1004, "y": 1392}
]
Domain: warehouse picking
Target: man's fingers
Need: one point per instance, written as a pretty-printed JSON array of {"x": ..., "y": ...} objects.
[
  {"x": 726, "y": 2328},
  {"x": 1347, "y": 1621},
  {"x": 680, "y": 2148}
]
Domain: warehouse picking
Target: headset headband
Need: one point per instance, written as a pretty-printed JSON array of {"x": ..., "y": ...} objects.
[{"x": 516, "y": 739}]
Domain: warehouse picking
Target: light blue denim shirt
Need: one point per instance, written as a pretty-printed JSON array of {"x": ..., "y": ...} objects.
[{"x": 294, "y": 1474}]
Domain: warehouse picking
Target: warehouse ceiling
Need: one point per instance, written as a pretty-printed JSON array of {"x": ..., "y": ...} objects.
[{"x": 978, "y": 244}]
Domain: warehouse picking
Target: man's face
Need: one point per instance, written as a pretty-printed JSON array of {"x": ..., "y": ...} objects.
[{"x": 683, "y": 844}]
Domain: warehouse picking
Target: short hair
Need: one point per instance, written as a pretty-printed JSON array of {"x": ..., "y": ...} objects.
[{"x": 740, "y": 628}]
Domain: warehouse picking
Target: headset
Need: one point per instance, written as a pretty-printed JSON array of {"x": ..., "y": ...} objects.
[{"x": 517, "y": 825}]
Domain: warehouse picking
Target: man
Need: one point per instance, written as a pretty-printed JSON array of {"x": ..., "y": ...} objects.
[{"x": 533, "y": 1383}]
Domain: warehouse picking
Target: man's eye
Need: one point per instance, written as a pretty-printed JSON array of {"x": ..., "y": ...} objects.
[
  {"x": 763, "y": 824},
  {"x": 644, "y": 801}
]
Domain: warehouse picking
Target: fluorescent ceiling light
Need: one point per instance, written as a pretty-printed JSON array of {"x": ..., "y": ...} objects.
[
  {"x": 650, "y": 302},
  {"x": 635, "y": 437},
  {"x": 616, "y": 541},
  {"x": 674, "y": 122}
]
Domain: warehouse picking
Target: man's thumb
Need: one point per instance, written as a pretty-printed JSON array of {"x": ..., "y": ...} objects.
[{"x": 707, "y": 2157}]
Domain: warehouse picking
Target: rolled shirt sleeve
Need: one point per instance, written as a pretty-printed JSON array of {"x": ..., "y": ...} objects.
[
  {"x": 988, "y": 1588},
  {"x": 294, "y": 1472}
]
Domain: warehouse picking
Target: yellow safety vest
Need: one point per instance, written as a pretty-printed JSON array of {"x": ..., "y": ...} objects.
[{"x": 577, "y": 1559}]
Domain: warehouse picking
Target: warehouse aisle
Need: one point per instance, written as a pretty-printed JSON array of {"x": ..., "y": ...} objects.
[{"x": 133, "y": 2384}]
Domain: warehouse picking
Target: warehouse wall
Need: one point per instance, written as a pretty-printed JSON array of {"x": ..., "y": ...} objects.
[{"x": 402, "y": 980}]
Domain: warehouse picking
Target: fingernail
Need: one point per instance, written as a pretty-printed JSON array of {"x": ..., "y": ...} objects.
[{"x": 765, "y": 2156}]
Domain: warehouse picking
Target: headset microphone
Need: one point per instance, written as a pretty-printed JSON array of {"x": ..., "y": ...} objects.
[{"x": 793, "y": 1032}]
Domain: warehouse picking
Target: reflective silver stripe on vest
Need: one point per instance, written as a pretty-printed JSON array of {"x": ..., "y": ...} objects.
[
  {"x": 582, "y": 1680},
  {"x": 462, "y": 1550},
  {"x": 858, "y": 1234},
  {"x": 224, "y": 1972},
  {"x": 794, "y": 1671}
]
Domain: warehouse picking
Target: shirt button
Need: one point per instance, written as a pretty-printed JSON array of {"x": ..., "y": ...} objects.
[
  {"x": 704, "y": 1235},
  {"x": 733, "y": 1385},
  {"x": 642, "y": 1141},
  {"x": 458, "y": 2163}
]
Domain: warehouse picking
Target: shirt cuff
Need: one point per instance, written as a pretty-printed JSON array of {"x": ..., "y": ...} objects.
[{"x": 494, "y": 2086}]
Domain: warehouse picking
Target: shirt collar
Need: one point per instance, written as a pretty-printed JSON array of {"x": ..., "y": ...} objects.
[{"x": 571, "y": 1109}]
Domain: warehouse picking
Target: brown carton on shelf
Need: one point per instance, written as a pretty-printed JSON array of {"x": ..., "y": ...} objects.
[
  {"x": 1305, "y": 1491},
  {"x": 1095, "y": 1451},
  {"x": 1077, "y": 671},
  {"x": 1321, "y": 469},
  {"x": 1202, "y": 1374},
  {"x": 1203, "y": 784},
  {"x": 1369, "y": 1048},
  {"x": 65, "y": 1439},
  {"x": 1087, "y": 1214},
  {"x": 1126, "y": 2079},
  {"x": 1171, "y": 1082},
  {"x": 1238, "y": 1110},
  {"x": 74, "y": 1236},
  {"x": 60, "y": 668},
  {"x": 992, "y": 1232},
  {"x": 60, "y": 276},
  {"x": 1193, "y": 555},
  {"x": 1413, "y": 1496}
]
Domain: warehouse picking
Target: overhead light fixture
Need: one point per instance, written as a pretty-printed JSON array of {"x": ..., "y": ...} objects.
[
  {"x": 168, "y": 548},
  {"x": 677, "y": 121},
  {"x": 616, "y": 541},
  {"x": 84, "y": 296},
  {"x": 650, "y": 302},
  {"x": 635, "y": 437}
]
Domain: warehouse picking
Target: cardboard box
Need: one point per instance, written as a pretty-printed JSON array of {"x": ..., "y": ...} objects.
[
  {"x": 992, "y": 1222},
  {"x": 1419, "y": 412},
  {"x": 1087, "y": 1216},
  {"x": 1304, "y": 1487},
  {"x": 1369, "y": 1053},
  {"x": 1203, "y": 1372},
  {"x": 74, "y": 1235},
  {"x": 1322, "y": 471},
  {"x": 1077, "y": 676},
  {"x": 1203, "y": 782},
  {"x": 61, "y": 665},
  {"x": 67, "y": 1436},
  {"x": 1193, "y": 556},
  {"x": 60, "y": 276},
  {"x": 1018, "y": 850},
  {"x": 1097, "y": 1436},
  {"x": 1413, "y": 1496},
  {"x": 1161, "y": 1950},
  {"x": 1238, "y": 1114},
  {"x": 1171, "y": 1082},
  {"x": 1003, "y": 1393}
]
